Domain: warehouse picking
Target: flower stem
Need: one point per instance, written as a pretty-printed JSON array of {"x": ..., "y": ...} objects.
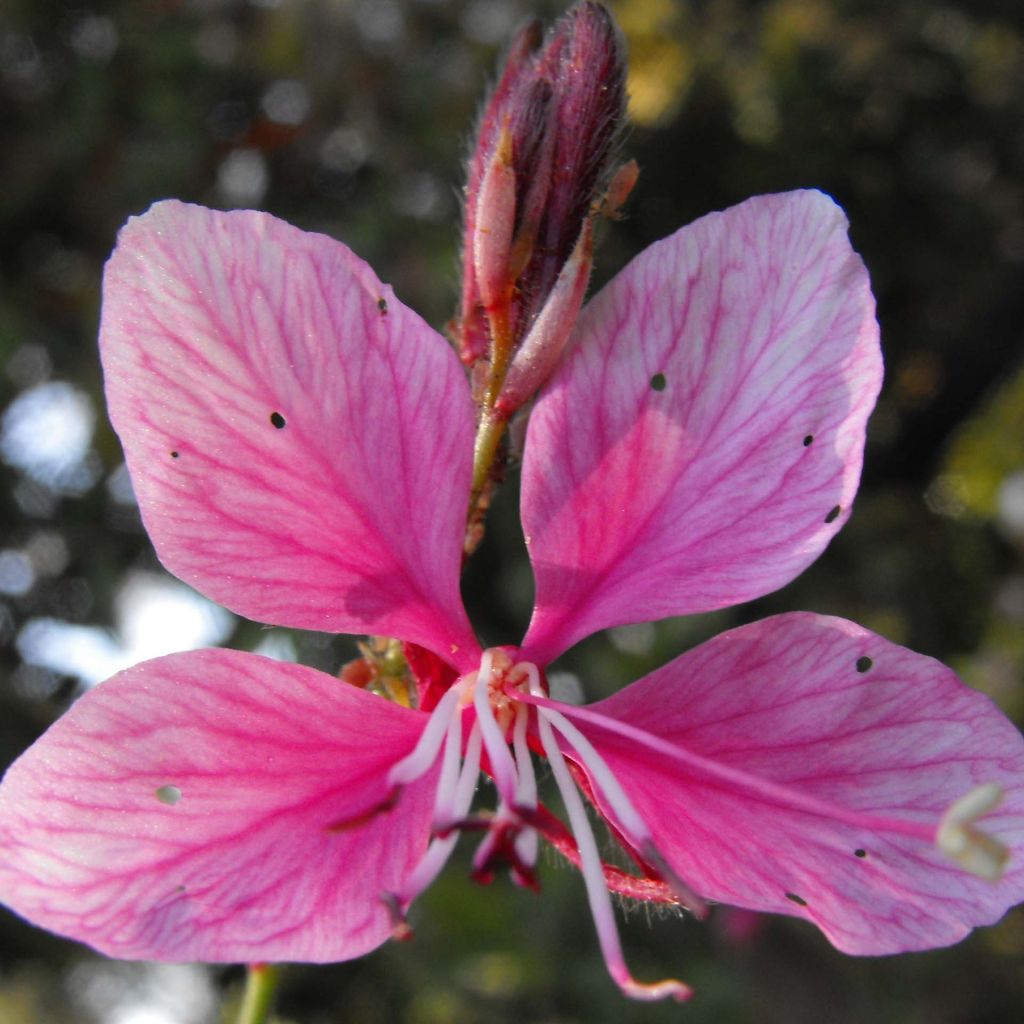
[
  {"x": 485, "y": 453},
  {"x": 260, "y": 987},
  {"x": 488, "y": 437},
  {"x": 491, "y": 426}
]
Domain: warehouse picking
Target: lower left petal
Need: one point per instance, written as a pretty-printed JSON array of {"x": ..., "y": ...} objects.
[{"x": 215, "y": 806}]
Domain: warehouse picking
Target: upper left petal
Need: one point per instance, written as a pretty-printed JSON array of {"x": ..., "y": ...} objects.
[
  {"x": 216, "y": 806},
  {"x": 299, "y": 441}
]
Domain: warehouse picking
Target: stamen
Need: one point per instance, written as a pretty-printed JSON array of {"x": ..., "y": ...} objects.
[
  {"x": 444, "y": 801},
  {"x": 440, "y": 849},
  {"x": 401, "y": 930},
  {"x": 509, "y": 839},
  {"x": 427, "y": 869},
  {"x": 468, "y": 777},
  {"x": 356, "y": 820},
  {"x": 503, "y": 768},
  {"x": 526, "y": 842},
  {"x": 974, "y": 850},
  {"x": 593, "y": 878},
  {"x": 423, "y": 755},
  {"x": 526, "y": 790},
  {"x": 499, "y": 846},
  {"x": 626, "y": 814}
]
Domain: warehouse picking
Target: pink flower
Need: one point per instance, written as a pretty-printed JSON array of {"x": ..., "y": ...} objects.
[{"x": 300, "y": 443}]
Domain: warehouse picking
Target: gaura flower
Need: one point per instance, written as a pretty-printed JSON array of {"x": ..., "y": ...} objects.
[{"x": 300, "y": 443}]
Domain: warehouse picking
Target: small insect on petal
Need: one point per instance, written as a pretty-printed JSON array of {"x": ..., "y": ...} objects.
[{"x": 169, "y": 795}]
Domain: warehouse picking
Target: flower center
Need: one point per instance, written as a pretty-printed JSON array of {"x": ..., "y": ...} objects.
[
  {"x": 484, "y": 722},
  {"x": 478, "y": 718}
]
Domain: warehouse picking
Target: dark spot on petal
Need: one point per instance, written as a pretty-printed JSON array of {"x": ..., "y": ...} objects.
[
  {"x": 860, "y": 853},
  {"x": 658, "y": 382},
  {"x": 277, "y": 419},
  {"x": 174, "y": 455},
  {"x": 863, "y": 664},
  {"x": 168, "y": 795},
  {"x": 833, "y": 514},
  {"x": 798, "y": 900},
  {"x": 808, "y": 440},
  {"x": 382, "y": 305}
]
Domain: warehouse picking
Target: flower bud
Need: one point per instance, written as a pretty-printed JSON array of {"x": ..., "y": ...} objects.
[{"x": 540, "y": 164}]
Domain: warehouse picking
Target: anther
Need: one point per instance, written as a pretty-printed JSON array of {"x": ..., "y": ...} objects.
[
  {"x": 401, "y": 930},
  {"x": 974, "y": 850}
]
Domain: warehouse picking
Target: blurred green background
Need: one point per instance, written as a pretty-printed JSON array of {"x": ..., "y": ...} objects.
[{"x": 351, "y": 117}]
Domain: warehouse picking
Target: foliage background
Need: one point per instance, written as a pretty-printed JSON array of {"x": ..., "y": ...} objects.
[{"x": 352, "y": 118}]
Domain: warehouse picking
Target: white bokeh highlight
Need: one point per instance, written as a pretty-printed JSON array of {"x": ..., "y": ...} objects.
[
  {"x": 154, "y": 615},
  {"x": 46, "y": 432}
]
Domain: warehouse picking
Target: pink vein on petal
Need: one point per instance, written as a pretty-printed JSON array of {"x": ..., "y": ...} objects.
[
  {"x": 187, "y": 809},
  {"x": 298, "y": 439},
  {"x": 836, "y": 717},
  {"x": 702, "y": 441}
]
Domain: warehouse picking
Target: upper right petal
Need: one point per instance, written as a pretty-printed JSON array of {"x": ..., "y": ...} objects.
[
  {"x": 300, "y": 442},
  {"x": 701, "y": 442}
]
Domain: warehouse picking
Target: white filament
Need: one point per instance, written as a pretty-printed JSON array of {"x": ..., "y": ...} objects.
[
  {"x": 503, "y": 767},
  {"x": 423, "y": 755},
  {"x": 593, "y": 879}
]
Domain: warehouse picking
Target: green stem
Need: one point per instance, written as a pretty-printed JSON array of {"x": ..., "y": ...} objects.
[
  {"x": 485, "y": 450},
  {"x": 260, "y": 986}
]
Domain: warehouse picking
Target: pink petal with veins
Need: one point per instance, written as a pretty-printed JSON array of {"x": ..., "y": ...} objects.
[
  {"x": 701, "y": 442},
  {"x": 192, "y": 808},
  {"x": 299, "y": 441},
  {"x": 784, "y": 766}
]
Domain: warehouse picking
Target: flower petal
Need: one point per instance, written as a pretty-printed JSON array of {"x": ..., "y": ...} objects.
[
  {"x": 702, "y": 441},
  {"x": 193, "y": 808},
  {"x": 300, "y": 442},
  {"x": 785, "y": 766}
]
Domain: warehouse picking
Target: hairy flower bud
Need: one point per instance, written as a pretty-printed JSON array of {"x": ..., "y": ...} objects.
[{"x": 541, "y": 160}]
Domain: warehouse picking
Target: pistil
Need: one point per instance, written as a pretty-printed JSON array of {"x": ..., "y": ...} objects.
[{"x": 954, "y": 835}]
